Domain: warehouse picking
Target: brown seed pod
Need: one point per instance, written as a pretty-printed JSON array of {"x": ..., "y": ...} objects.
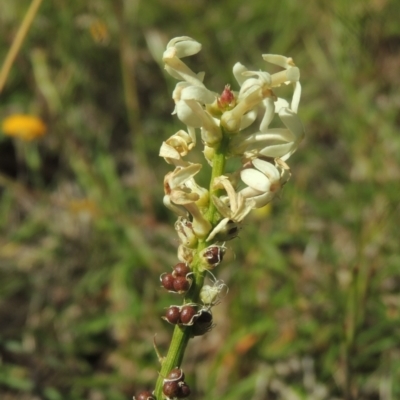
[
  {"x": 181, "y": 269},
  {"x": 188, "y": 312},
  {"x": 172, "y": 315},
  {"x": 184, "y": 390},
  {"x": 181, "y": 284},
  {"x": 144, "y": 395},
  {"x": 203, "y": 323},
  {"x": 175, "y": 374},
  {"x": 167, "y": 280},
  {"x": 214, "y": 255},
  {"x": 171, "y": 389}
]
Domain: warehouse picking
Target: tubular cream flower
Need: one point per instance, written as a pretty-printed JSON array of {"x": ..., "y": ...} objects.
[
  {"x": 176, "y": 147},
  {"x": 264, "y": 181},
  {"x": 276, "y": 143},
  {"x": 178, "y": 48},
  {"x": 234, "y": 207},
  {"x": 25, "y": 127},
  {"x": 181, "y": 190}
]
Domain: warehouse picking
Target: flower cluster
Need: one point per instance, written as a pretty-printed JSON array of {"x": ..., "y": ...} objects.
[
  {"x": 232, "y": 124},
  {"x": 222, "y": 117}
]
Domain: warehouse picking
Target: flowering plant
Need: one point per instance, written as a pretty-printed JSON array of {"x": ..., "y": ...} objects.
[{"x": 208, "y": 217}]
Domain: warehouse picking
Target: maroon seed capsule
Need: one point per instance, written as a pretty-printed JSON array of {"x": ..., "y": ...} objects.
[
  {"x": 181, "y": 269},
  {"x": 184, "y": 390},
  {"x": 175, "y": 374},
  {"x": 181, "y": 284},
  {"x": 172, "y": 315},
  {"x": 203, "y": 323},
  {"x": 167, "y": 280},
  {"x": 144, "y": 395},
  {"x": 187, "y": 314},
  {"x": 171, "y": 389},
  {"x": 214, "y": 255}
]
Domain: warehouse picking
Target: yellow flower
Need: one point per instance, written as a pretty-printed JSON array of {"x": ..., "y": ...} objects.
[
  {"x": 84, "y": 206},
  {"x": 99, "y": 32},
  {"x": 25, "y": 127}
]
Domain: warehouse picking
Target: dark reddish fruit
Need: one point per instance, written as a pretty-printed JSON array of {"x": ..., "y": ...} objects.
[
  {"x": 175, "y": 374},
  {"x": 167, "y": 280},
  {"x": 184, "y": 391},
  {"x": 181, "y": 269},
  {"x": 144, "y": 395},
  {"x": 214, "y": 255},
  {"x": 171, "y": 389},
  {"x": 181, "y": 284},
  {"x": 203, "y": 323},
  {"x": 187, "y": 313},
  {"x": 172, "y": 315}
]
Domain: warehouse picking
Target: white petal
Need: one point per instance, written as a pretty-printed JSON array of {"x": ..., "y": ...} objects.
[
  {"x": 267, "y": 169},
  {"x": 186, "y": 115},
  {"x": 168, "y": 151},
  {"x": 268, "y": 114},
  {"x": 238, "y": 70},
  {"x": 221, "y": 225},
  {"x": 222, "y": 208},
  {"x": 249, "y": 193},
  {"x": 293, "y": 74},
  {"x": 292, "y": 122},
  {"x": 181, "y": 175},
  {"x": 263, "y": 199},
  {"x": 263, "y": 77},
  {"x": 283, "y": 151},
  {"x": 255, "y": 179},
  {"x": 296, "y": 97},
  {"x": 183, "y": 198},
  {"x": 179, "y": 210},
  {"x": 280, "y": 103},
  {"x": 200, "y": 94},
  {"x": 282, "y": 61},
  {"x": 248, "y": 119},
  {"x": 185, "y": 46}
]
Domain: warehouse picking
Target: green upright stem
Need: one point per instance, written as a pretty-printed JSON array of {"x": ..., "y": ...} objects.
[{"x": 182, "y": 335}]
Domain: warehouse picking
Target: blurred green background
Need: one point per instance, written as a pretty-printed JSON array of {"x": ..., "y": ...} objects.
[{"x": 313, "y": 310}]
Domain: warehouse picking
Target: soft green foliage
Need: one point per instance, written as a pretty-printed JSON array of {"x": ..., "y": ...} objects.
[{"x": 313, "y": 310}]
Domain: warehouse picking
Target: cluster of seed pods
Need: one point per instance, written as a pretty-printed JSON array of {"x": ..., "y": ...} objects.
[
  {"x": 174, "y": 385},
  {"x": 200, "y": 319},
  {"x": 179, "y": 280}
]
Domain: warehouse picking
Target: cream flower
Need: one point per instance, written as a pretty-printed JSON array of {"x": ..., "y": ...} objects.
[
  {"x": 176, "y": 147},
  {"x": 234, "y": 207},
  {"x": 276, "y": 142},
  {"x": 181, "y": 190},
  {"x": 190, "y": 95},
  {"x": 264, "y": 181}
]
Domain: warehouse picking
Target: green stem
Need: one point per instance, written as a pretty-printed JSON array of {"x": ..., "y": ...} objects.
[{"x": 182, "y": 335}]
